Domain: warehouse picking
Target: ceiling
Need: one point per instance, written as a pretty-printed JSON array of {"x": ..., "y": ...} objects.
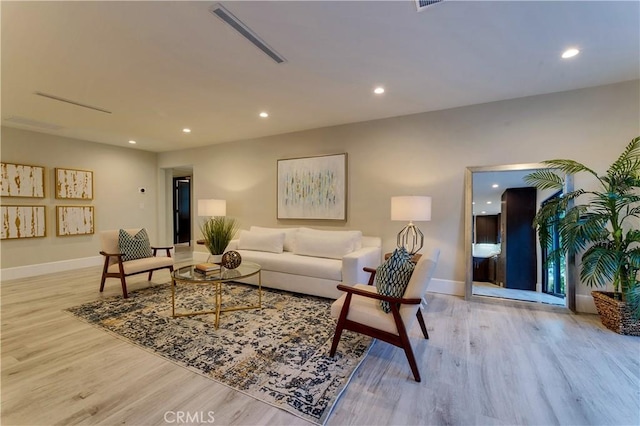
[{"x": 159, "y": 67}]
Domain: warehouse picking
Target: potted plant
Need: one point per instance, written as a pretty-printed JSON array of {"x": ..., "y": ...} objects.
[
  {"x": 602, "y": 225},
  {"x": 217, "y": 233}
]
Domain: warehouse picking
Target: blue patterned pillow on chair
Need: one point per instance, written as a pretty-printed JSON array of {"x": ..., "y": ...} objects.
[
  {"x": 392, "y": 277},
  {"x": 134, "y": 246}
]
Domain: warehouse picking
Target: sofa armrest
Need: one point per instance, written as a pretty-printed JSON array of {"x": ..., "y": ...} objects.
[{"x": 354, "y": 262}]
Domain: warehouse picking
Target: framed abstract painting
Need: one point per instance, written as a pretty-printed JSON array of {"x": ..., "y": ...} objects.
[
  {"x": 313, "y": 187},
  {"x": 21, "y": 180},
  {"x": 74, "y": 220},
  {"x": 23, "y": 222},
  {"x": 74, "y": 184}
]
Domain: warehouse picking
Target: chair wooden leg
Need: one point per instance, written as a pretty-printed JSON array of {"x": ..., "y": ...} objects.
[
  {"x": 423, "y": 327},
  {"x": 124, "y": 287},
  {"x": 406, "y": 344},
  {"x": 340, "y": 325},
  {"x": 104, "y": 274},
  {"x": 123, "y": 281},
  {"x": 150, "y": 274}
]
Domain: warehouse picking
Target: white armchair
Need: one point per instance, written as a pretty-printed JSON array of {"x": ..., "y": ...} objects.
[
  {"x": 359, "y": 310},
  {"x": 115, "y": 267}
]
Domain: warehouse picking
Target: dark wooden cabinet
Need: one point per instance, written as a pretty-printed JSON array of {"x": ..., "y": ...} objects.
[
  {"x": 487, "y": 229},
  {"x": 516, "y": 267}
]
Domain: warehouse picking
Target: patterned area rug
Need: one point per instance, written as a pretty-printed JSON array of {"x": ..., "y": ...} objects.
[{"x": 278, "y": 355}]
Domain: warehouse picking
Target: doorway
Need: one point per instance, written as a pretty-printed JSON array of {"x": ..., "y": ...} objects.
[{"x": 182, "y": 210}]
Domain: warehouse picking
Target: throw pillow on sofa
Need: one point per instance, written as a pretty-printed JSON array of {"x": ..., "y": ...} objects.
[
  {"x": 134, "y": 246},
  {"x": 330, "y": 246},
  {"x": 392, "y": 277},
  {"x": 272, "y": 242},
  {"x": 289, "y": 235}
]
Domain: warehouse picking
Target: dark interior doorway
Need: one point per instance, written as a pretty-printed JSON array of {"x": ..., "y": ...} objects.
[{"x": 181, "y": 210}]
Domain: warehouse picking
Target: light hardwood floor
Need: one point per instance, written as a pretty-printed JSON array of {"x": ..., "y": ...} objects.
[{"x": 484, "y": 364}]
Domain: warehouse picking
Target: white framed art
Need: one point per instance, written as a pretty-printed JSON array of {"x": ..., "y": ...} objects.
[
  {"x": 74, "y": 184},
  {"x": 21, "y": 180},
  {"x": 23, "y": 222},
  {"x": 313, "y": 187},
  {"x": 74, "y": 220}
]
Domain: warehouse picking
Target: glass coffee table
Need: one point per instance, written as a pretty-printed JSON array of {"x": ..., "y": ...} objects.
[{"x": 188, "y": 274}]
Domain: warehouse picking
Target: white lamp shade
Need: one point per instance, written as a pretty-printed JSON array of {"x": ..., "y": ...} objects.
[
  {"x": 212, "y": 208},
  {"x": 411, "y": 208}
]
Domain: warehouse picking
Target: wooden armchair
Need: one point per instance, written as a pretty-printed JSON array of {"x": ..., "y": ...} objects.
[
  {"x": 359, "y": 310},
  {"x": 115, "y": 267}
]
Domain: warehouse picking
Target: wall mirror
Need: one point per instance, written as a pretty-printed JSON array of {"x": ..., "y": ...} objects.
[{"x": 504, "y": 259}]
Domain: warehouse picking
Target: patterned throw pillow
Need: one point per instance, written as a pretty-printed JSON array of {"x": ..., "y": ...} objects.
[
  {"x": 134, "y": 246},
  {"x": 392, "y": 277}
]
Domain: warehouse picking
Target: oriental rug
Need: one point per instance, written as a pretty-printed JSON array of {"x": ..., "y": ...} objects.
[{"x": 278, "y": 355}]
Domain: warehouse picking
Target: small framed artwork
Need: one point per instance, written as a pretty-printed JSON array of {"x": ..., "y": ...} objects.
[
  {"x": 23, "y": 222},
  {"x": 21, "y": 180},
  {"x": 74, "y": 184},
  {"x": 313, "y": 187},
  {"x": 74, "y": 220}
]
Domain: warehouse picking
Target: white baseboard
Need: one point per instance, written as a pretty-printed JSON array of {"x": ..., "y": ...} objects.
[
  {"x": 454, "y": 288},
  {"x": 50, "y": 267}
]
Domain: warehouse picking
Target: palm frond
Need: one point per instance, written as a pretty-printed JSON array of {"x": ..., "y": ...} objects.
[
  {"x": 630, "y": 155},
  {"x": 599, "y": 266},
  {"x": 545, "y": 179},
  {"x": 569, "y": 166}
]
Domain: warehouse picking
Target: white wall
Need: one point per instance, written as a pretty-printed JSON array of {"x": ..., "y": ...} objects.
[
  {"x": 421, "y": 154},
  {"x": 117, "y": 173}
]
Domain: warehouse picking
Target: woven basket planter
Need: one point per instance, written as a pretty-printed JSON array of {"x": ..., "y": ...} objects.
[{"x": 615, "y": 314}]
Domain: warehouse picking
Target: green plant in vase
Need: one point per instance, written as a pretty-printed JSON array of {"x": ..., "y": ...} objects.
[
  {"x": 601, "y": 224},
  {"x": 217, "y": 232}
]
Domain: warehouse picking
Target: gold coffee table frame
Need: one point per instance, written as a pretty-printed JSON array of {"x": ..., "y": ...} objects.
[{"x": 187, "y": 274}]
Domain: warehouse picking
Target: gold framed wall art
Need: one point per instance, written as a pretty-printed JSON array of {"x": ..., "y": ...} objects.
[
  {"x": 74, "y": 184},
  {"x": 21, "y": 180},
  {"x": 74, "y": 220},
  {"x": 23, "y": 222},
  {"x": 313, "y": 187}
]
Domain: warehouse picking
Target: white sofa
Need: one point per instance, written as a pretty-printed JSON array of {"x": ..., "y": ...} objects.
[{"x": 305, "y": 260}]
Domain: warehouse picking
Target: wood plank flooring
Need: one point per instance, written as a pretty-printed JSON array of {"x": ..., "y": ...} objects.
[{"x": 484, "y": 365}]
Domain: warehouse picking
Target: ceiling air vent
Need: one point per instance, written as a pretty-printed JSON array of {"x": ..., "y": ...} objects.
[
  {"x": 246, "y": 32},
  {"x": 423, "y": 4},
  {"x": 23, "y": 121},
  {"x": 69, "y": 101}
]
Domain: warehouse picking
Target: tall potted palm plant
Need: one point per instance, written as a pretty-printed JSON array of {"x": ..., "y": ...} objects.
[{"x": 603, "y": 226}]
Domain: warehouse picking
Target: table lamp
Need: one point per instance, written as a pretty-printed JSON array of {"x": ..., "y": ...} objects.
[
  {"x": 212, "y": 208},
  {"x": 411, "y": 208}
]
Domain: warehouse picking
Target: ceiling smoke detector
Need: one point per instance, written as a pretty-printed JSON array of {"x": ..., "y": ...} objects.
[{"x": 423, "y": 4}]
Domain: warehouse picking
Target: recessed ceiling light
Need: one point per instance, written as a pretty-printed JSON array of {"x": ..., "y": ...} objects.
[
  {"x": 488, "y": 202},
  {"x": 378, "y": 90},
  {"x": 473, "y": 202},
  {"x": 483, "y": 212},
  {"x": 570, "y": 53},
  {"x": 264, "y": 114},
  {"x": 132, "y": 142},
  {"x": 186, "y": 130},
  {"x": 495, "y": 185}
]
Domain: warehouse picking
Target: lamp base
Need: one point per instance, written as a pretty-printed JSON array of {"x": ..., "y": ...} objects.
[{"x": 411, "y": 238}]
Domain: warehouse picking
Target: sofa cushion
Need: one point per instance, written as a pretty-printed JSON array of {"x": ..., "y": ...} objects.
[
  {"x": 134, "y": 246},
  {"x": 289, "y": 235},
  {"x": 355, "y": 235},
  {"x": 261, "y": 241},
  {"x": 331, "y": 246},
  {"x": 392, "y": 277},
  {"x": 140, "y": 265},
  {"x": 289, "y": 263}
]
